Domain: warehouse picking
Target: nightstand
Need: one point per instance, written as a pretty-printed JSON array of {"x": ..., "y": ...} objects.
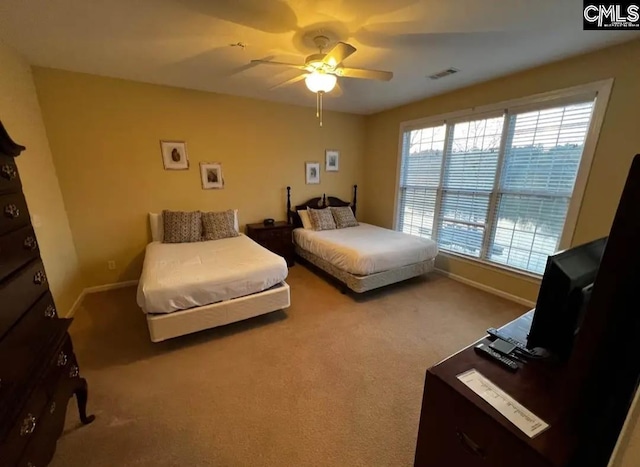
[{"x": 276, "y": 238}]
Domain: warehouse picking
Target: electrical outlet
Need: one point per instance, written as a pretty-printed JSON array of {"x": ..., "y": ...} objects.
[{"x": 111, "y": 265}]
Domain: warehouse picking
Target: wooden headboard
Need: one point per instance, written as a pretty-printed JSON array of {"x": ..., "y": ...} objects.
[{"x": 317, "y": 203}]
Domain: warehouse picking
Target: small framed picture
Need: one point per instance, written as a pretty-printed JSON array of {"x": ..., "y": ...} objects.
[
  {"x": 174, "y": 155},
  {"x": 312, "y": 172},
  {"x": 211, "y": 174},
  {"x": 332, "y": 160}
]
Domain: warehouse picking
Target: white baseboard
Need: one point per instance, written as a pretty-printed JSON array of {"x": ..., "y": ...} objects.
[
  {"x": 95, "y": 289},
  {"x": 486, "y": 288},
  {"x": 105, "y": 287}
]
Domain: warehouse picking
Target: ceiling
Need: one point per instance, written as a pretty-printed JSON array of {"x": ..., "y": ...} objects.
[{"x": 185, "y": 43}]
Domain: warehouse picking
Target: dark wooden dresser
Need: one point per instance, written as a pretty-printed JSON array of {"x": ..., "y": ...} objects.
[
  {"x": 38, "y": 369},
  {"x": 276, "y": 238},
  {"x": 458, "y": 428}
]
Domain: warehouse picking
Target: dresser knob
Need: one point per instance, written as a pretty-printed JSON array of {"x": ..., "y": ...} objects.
[
  {"x": 29, "y": 464},
  {"x": 11, "y": 211},
  {"x": 28, "y": 425},
  {"x": 52, "y": 408},
  {"x": 39, "y": 278},
  {"x": 30, "y": 243},
  {"x": 50, "y": 311},
  {"x": 62, "y": 359},
  {"x": 9, "y": 172},
  {"x": 74, "y": 371}
]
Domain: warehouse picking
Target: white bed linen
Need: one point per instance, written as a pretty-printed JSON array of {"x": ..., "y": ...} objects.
[
  {"x": 366, "y": 249},
  {"x": 178, "y": 276}
]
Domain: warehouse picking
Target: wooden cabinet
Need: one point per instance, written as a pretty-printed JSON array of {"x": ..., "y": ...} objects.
[
  {"x": 39, "y": 372},
  {"x": 457, "y": 427},
  {"x": 276, "y": 238}
]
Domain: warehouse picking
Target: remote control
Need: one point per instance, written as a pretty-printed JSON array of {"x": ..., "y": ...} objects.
[
  {"x": 519, "y": 345},
  {"x": 486, "y": 351}
]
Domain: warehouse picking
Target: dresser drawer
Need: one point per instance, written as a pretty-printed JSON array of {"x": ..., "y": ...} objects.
[
  {"x": 63, "y": 368},
  {"x": 21, "y": 347},
  {"x": 20, "y": 292},
  {"x": 9, "y": 178},
  {"x": 453, "y": 431},
  {"x": 24, "y": 428},
  {"x": 41, "y": 447},
  {"x": 17, "y": 249},
  {"x": 13, "y": 212}
]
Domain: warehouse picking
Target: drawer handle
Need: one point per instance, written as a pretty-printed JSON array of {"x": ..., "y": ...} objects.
[
  {"x": 28, "y": 425},
  {"x": 9, "y": 172},
  {"x": 470, "y": 445},
  {"x": 50, "y": 311},
  {"x": 62, "y": 359},
  {"x": 39, "y": 278},
  {"x": 74, "y": 371},
  {"x": 30, "y": 243},
  {"x": 52, "y": 408},
  {"x": 11, "y": 211}
]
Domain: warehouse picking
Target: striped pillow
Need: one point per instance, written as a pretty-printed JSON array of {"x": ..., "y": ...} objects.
[{"x": 321, "y": 219}]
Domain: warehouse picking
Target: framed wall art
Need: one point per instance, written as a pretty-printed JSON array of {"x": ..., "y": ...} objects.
[
  {"x": 332, "y": 160},
  {"x": 312, "y": 173},
  {"x": 211, "y": 174},
  {"x": 174, "y": 155}
]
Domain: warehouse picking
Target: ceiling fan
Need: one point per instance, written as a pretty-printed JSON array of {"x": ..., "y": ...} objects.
[{"x": 321, "y": 71}]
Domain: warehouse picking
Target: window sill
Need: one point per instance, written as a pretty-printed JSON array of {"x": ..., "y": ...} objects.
[{"x": 523, "y": 275}]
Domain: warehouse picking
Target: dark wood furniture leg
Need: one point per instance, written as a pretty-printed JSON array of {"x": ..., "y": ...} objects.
[{"x": 82, "y": 394}]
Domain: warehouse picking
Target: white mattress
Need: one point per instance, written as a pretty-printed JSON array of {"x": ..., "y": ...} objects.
[
  {"x": 178, "y": 276},
  {"x": 366, "y": 249}
]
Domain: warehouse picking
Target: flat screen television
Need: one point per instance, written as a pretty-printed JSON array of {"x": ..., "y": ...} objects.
[{"x": 564, "y": 294}]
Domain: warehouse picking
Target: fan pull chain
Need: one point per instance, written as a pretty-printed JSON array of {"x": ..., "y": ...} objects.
[{"x": 321, "y": 93}]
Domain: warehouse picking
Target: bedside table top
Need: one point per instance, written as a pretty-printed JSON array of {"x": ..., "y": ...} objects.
[{"x": 277, "y": 225}]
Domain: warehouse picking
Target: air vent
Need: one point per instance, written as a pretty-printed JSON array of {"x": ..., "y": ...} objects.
[{"x": 443, "y": 73}]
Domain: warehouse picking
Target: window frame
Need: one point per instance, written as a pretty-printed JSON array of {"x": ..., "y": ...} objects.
[{"x": 600, "y": 90}]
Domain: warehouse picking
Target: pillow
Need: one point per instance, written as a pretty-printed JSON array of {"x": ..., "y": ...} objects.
[
  {"x": 321, "y": 219},
  {"x": 235, "y": 221},
  {"x": 182, "y": 227},
  {"x": 304, "y": 218},
  {"x": 217, "y": 225},
  {"x": 157, "y": 230},
  {"x": 344, "y": 217}
]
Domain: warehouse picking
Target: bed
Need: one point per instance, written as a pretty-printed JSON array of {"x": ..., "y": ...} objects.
[
  {"x": 189, "y": 287},
  {"x": 362, "y": 258}
]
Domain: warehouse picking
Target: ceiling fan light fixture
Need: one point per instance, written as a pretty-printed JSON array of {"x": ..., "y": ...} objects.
[{"x": 320, "y": 82}]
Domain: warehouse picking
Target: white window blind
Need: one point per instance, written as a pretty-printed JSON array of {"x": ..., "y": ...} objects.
[{"x": 495, "y": 188}]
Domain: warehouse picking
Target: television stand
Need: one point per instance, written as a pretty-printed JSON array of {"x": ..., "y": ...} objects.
[{"x": 457, "y": 427}]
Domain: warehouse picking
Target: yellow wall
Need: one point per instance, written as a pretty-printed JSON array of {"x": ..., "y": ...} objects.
[
  {"x": 105, "y": 134},
  {"x": 20, "y": 114},
  {"x": 619, "y": 142}
]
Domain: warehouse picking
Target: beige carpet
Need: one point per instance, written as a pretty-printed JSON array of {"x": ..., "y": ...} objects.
[{"x": 335, "y": 380}]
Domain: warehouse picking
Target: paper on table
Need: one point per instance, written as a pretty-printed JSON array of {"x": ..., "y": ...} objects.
[{"x": 515, "y": 412}]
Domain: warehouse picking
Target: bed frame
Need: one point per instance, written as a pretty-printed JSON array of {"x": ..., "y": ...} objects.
[
  {"x": 168, "y": 325},
  {"x": 358, "y": 284}
]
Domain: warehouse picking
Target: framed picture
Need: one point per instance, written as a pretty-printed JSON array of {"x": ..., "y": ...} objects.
[
  {"x": 211, "y": 174},
  {"x": 174, "y": 155},
  {"x": 332, "y": 160},
  {"x": 312, "y": 172}
]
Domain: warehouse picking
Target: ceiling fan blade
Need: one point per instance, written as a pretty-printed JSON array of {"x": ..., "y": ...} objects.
[
  {"x": 269, "y": 62},
  {"x": 365, "y": 74},
  {"x": 339, "y": 52},
  {"x": 295, "y": 79}
]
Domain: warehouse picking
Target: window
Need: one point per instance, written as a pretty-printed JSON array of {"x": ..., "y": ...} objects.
[{"x": 495, "y": 186}]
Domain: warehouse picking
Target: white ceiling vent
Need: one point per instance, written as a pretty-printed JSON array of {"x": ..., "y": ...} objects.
[{"x": 443, "y": 73}]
